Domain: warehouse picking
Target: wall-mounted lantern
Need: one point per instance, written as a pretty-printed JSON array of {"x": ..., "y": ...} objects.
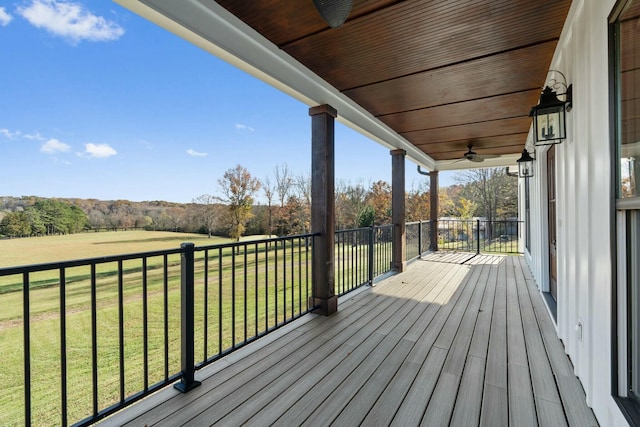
[
  {"x": 549, "y": 116},
  {"x": 525, "y": 165}
]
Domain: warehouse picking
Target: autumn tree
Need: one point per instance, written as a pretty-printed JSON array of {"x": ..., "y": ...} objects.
[
  {"x": 449, "y": 201},
  {"x": 380, "y": 201},
  {"x": 208, "y": 212},
  {"x": 238, "y": 188},
  {"x": 283, "y": 189},
  {"x": 269, "y": 192},
  {"x": 292, "y": 222},
  {"x": 493, "y": 192},
  {"x": 97, "y": 219},
  {"x": 302, "y": 186},
  {"x": 467, "y": 208},
  {"x": 284, "y": 183},
  {"x": 351, "y": 200},
  {"x": 418, "y": 202}
]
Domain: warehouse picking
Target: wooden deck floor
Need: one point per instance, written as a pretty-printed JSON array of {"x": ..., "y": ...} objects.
[{"x": 444, "y": 343}]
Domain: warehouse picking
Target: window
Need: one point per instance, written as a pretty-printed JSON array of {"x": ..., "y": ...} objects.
[
  {"x": 626, "y": 119},
  {"x": 627, "y": 37}
]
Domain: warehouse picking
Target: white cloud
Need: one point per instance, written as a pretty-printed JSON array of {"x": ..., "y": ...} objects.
[
  {"x": 70, "y": 20},
  {"x": 195, "y": 153},
  {"x": 241, "y": 127},
  {"x": 53, "y": 146},
  {"x": 34, "y": 136},
  {"x": 99, "y": 151},
  {"x": 5, "y": 18},
  {"x": 6, "y": 133}
]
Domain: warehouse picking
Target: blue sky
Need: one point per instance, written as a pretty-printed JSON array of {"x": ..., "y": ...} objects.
[{"x": 99, "y": 103}]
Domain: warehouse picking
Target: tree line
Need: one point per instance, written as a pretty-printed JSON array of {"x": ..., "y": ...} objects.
[{"x": 285, "y": 208}]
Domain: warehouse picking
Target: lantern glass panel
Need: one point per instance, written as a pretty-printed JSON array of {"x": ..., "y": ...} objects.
[
  {"x": 525, "y": 169},
  {"x": 550, "y": 126}
]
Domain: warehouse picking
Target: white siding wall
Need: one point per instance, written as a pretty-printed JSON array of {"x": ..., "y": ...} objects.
[{"x": 583, "y": 207}]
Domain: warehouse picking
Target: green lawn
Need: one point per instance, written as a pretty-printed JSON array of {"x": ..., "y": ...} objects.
[
  {"x": 37, "y": 250},
  {"x": 254, "y": 278}
]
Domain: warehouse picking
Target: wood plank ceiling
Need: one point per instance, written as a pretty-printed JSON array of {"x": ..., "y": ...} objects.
[{"x": 441, "y": 73}]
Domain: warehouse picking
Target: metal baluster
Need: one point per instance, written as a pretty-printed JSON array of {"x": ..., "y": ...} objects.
[
  {"x": 63, "y": 345},
  {"x": 27, "y": 348}
]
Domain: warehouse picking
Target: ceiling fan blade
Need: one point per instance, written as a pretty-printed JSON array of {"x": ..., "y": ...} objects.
[{"x": 477, "y": 159}]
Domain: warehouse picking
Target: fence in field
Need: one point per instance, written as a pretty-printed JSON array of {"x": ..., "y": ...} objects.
[{"x": 92, "y": 336}]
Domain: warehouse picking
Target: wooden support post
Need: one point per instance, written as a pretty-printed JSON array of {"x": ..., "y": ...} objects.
[
  {"x": 323, "y": 208},
  {"x": 435, "y": 207},
  {"x": 398, "y": 214}
]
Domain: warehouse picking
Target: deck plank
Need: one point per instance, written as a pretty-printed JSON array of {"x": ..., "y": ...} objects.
[
  {"x": 494, "y": 406},
  {"x": 469, "y": 400},
  {"x": 458, "y": 339},
  {"x": 495, "y": 397},
  {"x": 522, "y": 408}
]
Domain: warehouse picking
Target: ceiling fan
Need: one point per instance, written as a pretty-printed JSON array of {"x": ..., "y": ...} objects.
[
  {"x": 334, "y": 12},
  {"x": 472, "y": 156}
]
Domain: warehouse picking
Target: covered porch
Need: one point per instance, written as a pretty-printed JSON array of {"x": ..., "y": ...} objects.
[{"x": 456, "y": 340}]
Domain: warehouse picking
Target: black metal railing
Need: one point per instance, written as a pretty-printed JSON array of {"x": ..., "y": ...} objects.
[
  {"x": 382, "y": 250},
  {"x": 480, "y": 236},
  {"x": 102, "y": 333},
  {"x": 418, "y": 238},
  {"x": 361, "y": 255},
  {"x": 268, "y": 282}
]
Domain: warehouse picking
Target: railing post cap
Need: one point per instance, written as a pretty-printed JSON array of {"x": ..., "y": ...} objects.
[{"x": 187, "y": 245}]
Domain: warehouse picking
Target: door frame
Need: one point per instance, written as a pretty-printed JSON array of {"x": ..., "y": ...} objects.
[
  {"x": 553, "y": 290},
  {"x": 541, "y": 234}
]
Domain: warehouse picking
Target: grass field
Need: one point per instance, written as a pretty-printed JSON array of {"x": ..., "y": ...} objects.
[
  {"x": 37, "y": 250},
  {"x": 251, "y": 282}
]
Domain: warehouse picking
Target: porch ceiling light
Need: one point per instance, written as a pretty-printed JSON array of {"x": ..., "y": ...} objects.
[
  {"x": 549, "y": 116},
  {"x": 525, "y": 165},
  {"x": 334, "y": 12}
]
